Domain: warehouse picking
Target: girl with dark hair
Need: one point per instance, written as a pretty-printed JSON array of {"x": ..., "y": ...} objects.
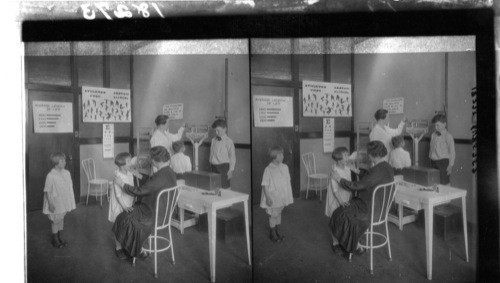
[
  {"x": 132, "y": 228},
  {"x": 348, "y": 223}
]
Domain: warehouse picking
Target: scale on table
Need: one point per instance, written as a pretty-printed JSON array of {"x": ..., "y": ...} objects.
[
  {"x": 416, "y": 129},
  {"x": 196, "y": 134}
]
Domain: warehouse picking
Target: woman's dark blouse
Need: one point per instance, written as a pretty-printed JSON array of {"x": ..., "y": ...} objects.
[{"x": 381, "y": 173}]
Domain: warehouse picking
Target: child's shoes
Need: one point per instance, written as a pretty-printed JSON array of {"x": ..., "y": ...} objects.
[
  {"x": 273, "y": 235},
  {"x": 120, "y": 254},
  {"x": 279, "y": 234},
  {"x": 61, "y": 240},
  {"x": 55, "y": 241}
]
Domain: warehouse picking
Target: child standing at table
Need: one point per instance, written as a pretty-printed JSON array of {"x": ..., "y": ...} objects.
[
  {"x": 58, "y": 197},
  {"x": 399, "y": 157},
  {"x": 222, "y": 154},
  {"x": 442, "y": 149},
  {"x": 121, "y": 201},
  {"x": 180, "y": 163},
  {"x": 276, "y": 192}
]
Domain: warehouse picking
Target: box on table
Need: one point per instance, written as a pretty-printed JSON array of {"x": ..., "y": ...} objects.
[
  {"x": 203, "y": 180},
  {"x": 230, "y": 224},
  {"x": 447, "y": 221},
  {"x": 421, "y": 175}
]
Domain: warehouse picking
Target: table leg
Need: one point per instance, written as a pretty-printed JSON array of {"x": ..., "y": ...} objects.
[
  {"x": 181, "y": 220},
  {"x": 247, "y": 232},
  {"x": 429, "y": 217},
  {"x": 464, "y": 220},
  {"x": 212, "y": 237},
  {"x": 400, "y": 218}
]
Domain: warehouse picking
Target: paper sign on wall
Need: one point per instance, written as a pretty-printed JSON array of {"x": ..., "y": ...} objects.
[
  {"x": 394, "y": 105},
  {"x": 328, "y": 134},
  {"x": 106, "y": 105},
  {"x": 174, "y": 111},
  {"x": 108, "y": 140},
  {"x": 320, "y": 99},
  {"x": 52, "y": 117},
  {"x": 273, "y": 111}
]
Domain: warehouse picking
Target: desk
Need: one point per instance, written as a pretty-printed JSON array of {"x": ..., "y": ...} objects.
[
  {"x": 408, "y": 194},
  {"x": 193, "y": 200}
]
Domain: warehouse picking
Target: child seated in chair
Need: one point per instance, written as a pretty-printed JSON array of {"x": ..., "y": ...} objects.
[
  {"x": 120, "y": 200},
  {"x": 58, "y": 197},
  {"x": 180, "y": 163},
  {"x": 276, "y": 192}
]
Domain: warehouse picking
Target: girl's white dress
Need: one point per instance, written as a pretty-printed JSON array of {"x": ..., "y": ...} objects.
[
  {"x": 277, "y": 179},
  {"x": 114, "y": 206},
  {"x": 333, "y": 186}
]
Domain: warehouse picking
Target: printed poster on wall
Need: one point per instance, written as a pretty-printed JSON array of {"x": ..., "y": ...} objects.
[
  {"x": 106, "y": 105},
  {"x": 394, "y": 105},
  {"x": 320, "y": 99},
  {"x": 52, "y": 117},
  {"x": 328, "y": 134},
  {"x": 174, "y": 111},
  {"x": 273, "y": 111},
  {"x": 108, "y": 140}
]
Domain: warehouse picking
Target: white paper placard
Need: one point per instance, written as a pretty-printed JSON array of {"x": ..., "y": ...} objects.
[
  {"x": 108, "y": 140},
  {"x": 394, "y": 105},
  {"x": 52, "y": 117},
  {"x": 174, "y": 111},
  {"x": 106, "y": 105},
  {"x": 320, "y": 99},
  {"x": 328, "y": 134},
  {"x": 273, "y": 111}
]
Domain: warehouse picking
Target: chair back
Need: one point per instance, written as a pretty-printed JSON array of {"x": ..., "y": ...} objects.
[
  {"x": 382, "y": 199},
  {"x": 309, "y": 163},
  {"x": 89, "y": 168},
  {"x": 166, "y": 202}
]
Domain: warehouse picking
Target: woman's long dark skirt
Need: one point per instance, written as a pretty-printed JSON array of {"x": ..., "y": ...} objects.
[
  {"x": 131, "y": 229},
  {"x": 349, "y": 223}
]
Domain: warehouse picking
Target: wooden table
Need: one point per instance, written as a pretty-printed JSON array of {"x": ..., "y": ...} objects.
[
  {"x": 409, "y": 195},
  {"x": 193, "y": 200}
]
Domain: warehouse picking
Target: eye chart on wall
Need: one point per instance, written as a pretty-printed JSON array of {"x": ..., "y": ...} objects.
[
  {"x": 320, "y": 99},
  {"x": 394, "y": 105},
  {"x": 174, "y": 111},
  {"x": 328, "y": 134},
  {"x": 108, "y": 140},
  {"x": 106, "y": 105},
  {"x": 52, "y": 117}
]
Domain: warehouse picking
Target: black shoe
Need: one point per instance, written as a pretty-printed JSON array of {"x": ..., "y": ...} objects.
[
  {"x": 55, "y": 241},
  {"x": 273, "y": 236},
  {"x": 143, "y": 255},
  {"x": 120, "y": 254},
  {"x": 360, "y": 251},
  {"x": 63, "y": 242},
  {"x": 337, "y": 249},
  {"x": 279, "y": 234}
]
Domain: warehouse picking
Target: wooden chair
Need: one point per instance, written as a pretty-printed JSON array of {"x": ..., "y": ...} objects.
[
  {"x": 165, "y": 205},
  {"x": 382, "y": 199},
  {"x": 92, "y": 180},
  {"x": 314, "y": 180}
]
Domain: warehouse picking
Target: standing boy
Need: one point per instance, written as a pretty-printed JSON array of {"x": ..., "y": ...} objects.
[
  {"x": 59, "y": 197},
  {"x": 222, "y": 153},
  {"x": 442, "y": 149}
]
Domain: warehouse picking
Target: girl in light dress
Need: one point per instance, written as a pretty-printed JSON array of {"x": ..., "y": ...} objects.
[{"x": 121, "y": 201}]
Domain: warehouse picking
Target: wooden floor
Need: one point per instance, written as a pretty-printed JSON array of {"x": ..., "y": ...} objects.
[
  {"x": 306, "y": 256},
  {"x": 90, "y": 257}
]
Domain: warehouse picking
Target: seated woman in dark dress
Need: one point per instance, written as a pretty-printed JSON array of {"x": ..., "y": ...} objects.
[
  {"x": 348, "y": 223},
  {"x": 131, "y": 229}
]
